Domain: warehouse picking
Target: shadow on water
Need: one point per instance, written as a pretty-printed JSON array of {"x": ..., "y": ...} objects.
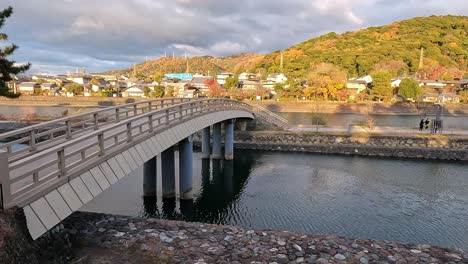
[{"x": 222, "y": 183}]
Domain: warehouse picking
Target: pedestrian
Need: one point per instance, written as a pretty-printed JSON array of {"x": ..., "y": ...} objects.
[
  {"x": 427, "y": 123},
  {"x": 421, "y": 125}
]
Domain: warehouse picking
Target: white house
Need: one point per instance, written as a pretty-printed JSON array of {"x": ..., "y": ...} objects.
[
  {"x": 277, "y": 78},
  {"x": 79, "y": 79},
  {"x": 221, "y": 78},
  {"x": 247, "y": 76},
  {"x": 135, "y": 91}
]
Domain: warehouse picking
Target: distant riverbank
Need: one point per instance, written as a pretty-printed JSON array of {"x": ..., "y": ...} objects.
[{"x": 361, "y": 108}]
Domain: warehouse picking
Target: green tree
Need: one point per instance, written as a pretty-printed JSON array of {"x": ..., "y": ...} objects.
[
  {"x": 231, "y": 82},
  {"x": 7, "y": 67},
  {"x": 157, "y": 76},
  {"x": 381, "y": 86},
  {"x": 409, "y": 88},
  {"x": 75, "y": 89},
  {"x": 146, "y": 91},
  {"x": 158, "y": 91}
]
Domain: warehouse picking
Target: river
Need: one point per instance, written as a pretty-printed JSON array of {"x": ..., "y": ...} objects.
[{"x": 406, "y": 200}]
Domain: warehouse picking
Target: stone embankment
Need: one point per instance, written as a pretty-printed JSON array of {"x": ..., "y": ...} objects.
[
  {"x": 423, "y": 146},
  {"x": 138, "y": 240}
]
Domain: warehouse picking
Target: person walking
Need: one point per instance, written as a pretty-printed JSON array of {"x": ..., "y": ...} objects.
[
  {"x": 421, "y": 125},
  {"x": 426, "y": 123}
]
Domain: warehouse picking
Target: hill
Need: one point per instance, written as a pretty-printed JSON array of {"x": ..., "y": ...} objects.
[
  {"x": 395, "y": 46},
  {"x": 204, "y": 64}
]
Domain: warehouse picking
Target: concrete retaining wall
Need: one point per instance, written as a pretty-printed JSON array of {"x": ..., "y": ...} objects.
[{"x": 429, "y": 147}]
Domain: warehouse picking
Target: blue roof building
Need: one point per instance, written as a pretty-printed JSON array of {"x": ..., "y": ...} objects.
[{"x": 180, "y": 76}]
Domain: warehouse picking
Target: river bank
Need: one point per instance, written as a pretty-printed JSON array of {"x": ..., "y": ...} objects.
[
  {"x": 408, "y": 146},
  {"x": 77, "y": 101},
  {"x": 362, "y": 108},
  {"x": 119, "y": 239}
]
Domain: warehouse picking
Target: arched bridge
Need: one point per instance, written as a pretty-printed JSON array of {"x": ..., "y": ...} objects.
[{"x": 52, "y": 169}]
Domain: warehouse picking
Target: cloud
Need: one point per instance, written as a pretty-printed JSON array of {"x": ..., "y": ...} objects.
[{"x": 109, "y": 34}]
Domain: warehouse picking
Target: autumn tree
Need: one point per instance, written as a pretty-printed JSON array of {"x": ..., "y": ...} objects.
[
  {"x": 7, "y": 67},
  {"x": 231, "y": 82},
  {"x": 409, "y": 88},
  {"x": 326, "y": 80},
  {"x": 381, "y": 86},
  {"x": 158, "y": 91},
  {"x": 395, "y": 67},
  {"x": 214, "y": 88}
]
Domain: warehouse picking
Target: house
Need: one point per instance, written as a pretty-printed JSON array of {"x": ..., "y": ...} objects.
[
  {"x": 249, "y": 85},
  {"x": 269, "y": 84},
  {"x": 200, "y": 83},
  {"x": 441, "y": 98},
  {"x": 99, "y": 85},
  {"x": 79, "y": 79},
  {"x": 28, "y": 87},
  {"x": 136, "y": 91},
  {"x": 277, "y": 78},
  {"x": 464, "y": 84},
  {"x": 48, "y": 86},
  {"x": 221, "y": 78},
  {"x": 356, "y": 86},
  {"x": 247, "y": 76}
]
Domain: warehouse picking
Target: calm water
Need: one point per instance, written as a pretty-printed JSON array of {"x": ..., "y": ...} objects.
[
  {"x": 42, "y": 112},
  {"x": 458, "y": 122},
  {"x": 404, "y": 200}
]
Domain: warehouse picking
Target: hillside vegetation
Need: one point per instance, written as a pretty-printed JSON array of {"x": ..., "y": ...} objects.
[
  {"x": 204, "y": 65},
  {"x": 395, "y": 47}
]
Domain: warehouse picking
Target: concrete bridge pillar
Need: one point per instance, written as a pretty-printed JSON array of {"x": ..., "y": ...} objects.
[
  {"x": 149, "y": 177},
  {"x": 229, "y": 141},
  {"x": 206, "y": 143},
  {"x": 216, "y": 154},
  {"x": 168, "y": 173},
  {"x": 186, "y": 168}
]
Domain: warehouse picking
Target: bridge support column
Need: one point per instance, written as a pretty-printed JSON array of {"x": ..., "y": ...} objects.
[
  {"x": 206, "y": 143},
  {"x": 186, "y": 168},
  {"x": 229, "y": 140},
  {"x": 149, "y": 177},
  {"x": 168, "y": 173},
  {"x": 216, "y": 154}
]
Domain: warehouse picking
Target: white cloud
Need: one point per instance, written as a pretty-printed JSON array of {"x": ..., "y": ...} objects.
[{"x": 108, "y": 34}]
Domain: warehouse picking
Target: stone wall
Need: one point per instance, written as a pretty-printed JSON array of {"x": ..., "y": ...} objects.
[
  {"x": 17, "y": 247},
  {"x": 430, "y": 147}
]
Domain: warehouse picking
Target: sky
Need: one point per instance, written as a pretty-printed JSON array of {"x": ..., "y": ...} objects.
[{"x": 58, "y": 36}]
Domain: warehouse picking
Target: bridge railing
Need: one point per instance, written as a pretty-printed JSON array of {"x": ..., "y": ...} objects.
[
  {"x": 66, "y": 128},
  {"x": 269, "y": 116},
  {"x": 32, "y": 175}
]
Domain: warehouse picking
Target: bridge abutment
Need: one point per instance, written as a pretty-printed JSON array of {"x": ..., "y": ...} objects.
[
  {"x": 186, "y": 168},
  {"x": 149, "y": 177},
  {"x": 206, "y": 134},
  {"x": 168, "y": 173}
]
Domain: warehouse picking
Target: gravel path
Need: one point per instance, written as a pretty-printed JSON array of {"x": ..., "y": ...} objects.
[{"x": 138, "y": 240}]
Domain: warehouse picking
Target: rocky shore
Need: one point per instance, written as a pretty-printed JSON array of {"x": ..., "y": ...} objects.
[{"x": 119, "y": 239}]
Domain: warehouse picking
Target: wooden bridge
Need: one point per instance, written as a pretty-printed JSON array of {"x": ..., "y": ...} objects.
[{"x": 53, "y": 168}]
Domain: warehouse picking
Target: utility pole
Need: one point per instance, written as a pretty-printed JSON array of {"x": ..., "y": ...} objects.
[
  {"x": 134, "y": 70},
  {"x": 421, "y": 62},
  {"x": 281, "y": 62}
]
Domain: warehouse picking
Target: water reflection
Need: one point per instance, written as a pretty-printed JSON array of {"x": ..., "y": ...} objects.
[{"x": 404, "y": 200}]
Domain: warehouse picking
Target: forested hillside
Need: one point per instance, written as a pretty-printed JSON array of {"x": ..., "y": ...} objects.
[
  {"x": 204, "y": 65},
  {"x": 395, "y": 47}
]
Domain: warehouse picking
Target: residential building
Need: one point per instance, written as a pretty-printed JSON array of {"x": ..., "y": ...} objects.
[
  {"x": 28, "y": 87},
  {"x": 221, "y": 78},
  {"x": 277, "y": 78},
  {"x": 48, "y": 86},
  {"x": 136, "y": 91},
  {"x": 268, "y": 84},
  {"x": 250, "y": 85},
  {"x": 464, "y": 84},
  {"x": 356, "y": 86},
  {"x": 200, "y": 83},
  {"x": 101, "y": 84},
  {"x": 247, "y": 76},
  {"x": 79, "y": 79}
]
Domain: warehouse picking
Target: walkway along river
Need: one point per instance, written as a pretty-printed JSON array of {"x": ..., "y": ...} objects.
[{"x": 410, "y": 201}]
